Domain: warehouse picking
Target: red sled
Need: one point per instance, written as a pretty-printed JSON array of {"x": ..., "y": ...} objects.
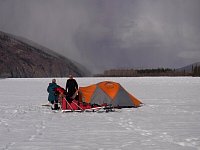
[{"x": 67, "y": 105}]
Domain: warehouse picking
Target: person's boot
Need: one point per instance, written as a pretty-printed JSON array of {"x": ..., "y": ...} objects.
[{"x": 55, "y": 107}]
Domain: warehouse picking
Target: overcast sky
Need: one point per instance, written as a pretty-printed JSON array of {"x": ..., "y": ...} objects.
[{"x": 104, "y": 34}]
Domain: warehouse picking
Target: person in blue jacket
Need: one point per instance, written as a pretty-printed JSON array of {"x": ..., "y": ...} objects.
[{"x": 53, "y": 98}]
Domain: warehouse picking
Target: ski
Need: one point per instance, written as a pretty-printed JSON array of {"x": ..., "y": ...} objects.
[
  {"x": 47, "y": 105},
  {"x": 68, "y": 110}
]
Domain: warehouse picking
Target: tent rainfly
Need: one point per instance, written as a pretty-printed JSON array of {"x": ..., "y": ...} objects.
[{"x": 110, "y": 93}]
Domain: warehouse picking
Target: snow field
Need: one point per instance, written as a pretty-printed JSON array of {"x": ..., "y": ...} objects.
[{"x": 169, "y": 119}]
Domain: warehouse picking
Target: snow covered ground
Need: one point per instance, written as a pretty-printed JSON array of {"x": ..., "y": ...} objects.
[{"x": 169, "y": 120}]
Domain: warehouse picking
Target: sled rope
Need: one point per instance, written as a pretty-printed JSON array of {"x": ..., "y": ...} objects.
[
  {"x": 69, "y": 105},
  {"x": 77, "y": 106}
]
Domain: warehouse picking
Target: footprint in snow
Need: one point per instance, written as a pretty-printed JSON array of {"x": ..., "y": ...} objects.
[
  {"x": 39, "y": 128},
  {"x": 32, "y": 138},
  {"x": 7, "y": 146}
]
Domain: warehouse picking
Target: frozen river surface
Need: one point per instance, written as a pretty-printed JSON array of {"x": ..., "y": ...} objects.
[{"x": 169, "y": 120}]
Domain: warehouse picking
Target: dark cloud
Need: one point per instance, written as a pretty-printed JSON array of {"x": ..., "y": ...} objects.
[{"x": 103, "y": 34}]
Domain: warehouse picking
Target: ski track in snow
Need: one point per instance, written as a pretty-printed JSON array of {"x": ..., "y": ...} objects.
[{"x": 168, "y": 120}]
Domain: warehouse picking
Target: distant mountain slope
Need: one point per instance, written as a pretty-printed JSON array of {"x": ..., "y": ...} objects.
[
  {"x": 188, "y": 68},
  {"x": 20, "y": 57}
]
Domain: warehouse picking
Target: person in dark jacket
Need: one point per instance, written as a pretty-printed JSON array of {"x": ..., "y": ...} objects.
[
  {"x": 53, "y": 98},
  {"x": 71, "y": 88}
]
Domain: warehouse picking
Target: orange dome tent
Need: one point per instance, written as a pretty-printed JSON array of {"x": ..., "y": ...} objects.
[{"x": 108, "y": 92}]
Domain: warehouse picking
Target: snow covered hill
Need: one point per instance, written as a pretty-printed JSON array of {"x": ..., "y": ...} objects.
[
  {"x": 169, "y": 120},
  {"x": 23, "y": 58},
  {"x": 189, "y": 68}
]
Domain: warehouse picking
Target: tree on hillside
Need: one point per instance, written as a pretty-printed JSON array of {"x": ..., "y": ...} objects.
[{"x": 196, "y": 71}]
